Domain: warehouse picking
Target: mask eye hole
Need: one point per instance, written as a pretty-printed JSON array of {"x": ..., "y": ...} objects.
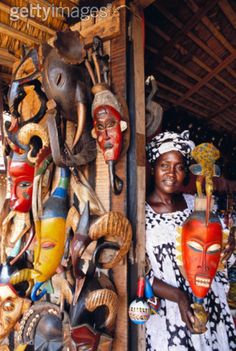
[
  {"x": 195, "y": 246},
  {"x": 100, "y": 126},
  {"x": 24, "y": 184},
  {"x": 8, "y": 306},
  {"x": 58, "y": 79},
  {"x": 213, "y": 249},
  {"x": 111, "y": 123}
]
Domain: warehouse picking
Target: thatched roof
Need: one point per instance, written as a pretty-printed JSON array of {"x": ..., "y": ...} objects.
[
  {"x": 191, "y": 50},
  {"x": 17, "y": 27}
]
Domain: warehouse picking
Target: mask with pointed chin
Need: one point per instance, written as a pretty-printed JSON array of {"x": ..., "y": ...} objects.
[
  {"x": 21, "y": 174},
  {"x": 11, "y": 308},
  {"x": 108, "y": 130},
  {"x": 201, "y": 249}
]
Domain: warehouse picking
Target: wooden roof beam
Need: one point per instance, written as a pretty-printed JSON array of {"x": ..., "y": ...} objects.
[
  {"x": 143, "y": 3},
  {"x": 209, "y": 76},
  {"x": 226, "y": 83},
  {"x": 223, "y": 123},
  {"x": 222, "y": 109},
  {"x": 191, "y": 74},
  {"x": 211, "y": 27},
  {"x": 194, "y": 38},
  {"x": 18, "y": 35},
  {"x": 230, "y": 117},
  {"x": 228, "y": 11},
  {"x": 181, "y": 81},
  {"x": 231, "y": 14},
  {"x": 178, "y": 93},
  {"x": 211, "y": 53},
  {"x": 174, "y": 77},
  {"x": 217, "y": 76},
  {"x": 186, "y": 106},
  {"x": 187, "y": 27},
  {"x": 177, "y": 23},
  {"x": 33, "y": 23},
  {"x": 198, "y": 62}
]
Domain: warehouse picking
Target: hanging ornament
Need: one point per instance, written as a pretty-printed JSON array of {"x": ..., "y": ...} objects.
[{"x": 139, "y": 310}]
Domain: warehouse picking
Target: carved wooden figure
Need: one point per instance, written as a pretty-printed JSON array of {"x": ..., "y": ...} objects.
[
  {"x": 107, "y": 114},
  {"x": 200, "y": 246},
  {"x": 65, "y": 83},
  {"x": 205, "y": 154},
  {"x": 57, "y": 225}
]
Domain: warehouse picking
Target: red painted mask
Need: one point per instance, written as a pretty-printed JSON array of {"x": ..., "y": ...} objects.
[
  {"x": 21, "y": 174},
  {"x": 201, "y": 248},
  {"x": 108, "y": 130}
]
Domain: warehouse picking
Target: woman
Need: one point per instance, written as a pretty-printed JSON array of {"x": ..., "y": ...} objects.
[{"x": 166, "y": 209}]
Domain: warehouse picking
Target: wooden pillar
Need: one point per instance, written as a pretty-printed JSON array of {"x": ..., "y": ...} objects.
[
  {"x": 137, "y": 165},
  {"x": 2, "y": 174},
  {"x": 119, "y": 203}
]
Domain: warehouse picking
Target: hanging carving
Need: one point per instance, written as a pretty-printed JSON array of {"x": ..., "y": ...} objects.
[{"x": 58, "y": 243}]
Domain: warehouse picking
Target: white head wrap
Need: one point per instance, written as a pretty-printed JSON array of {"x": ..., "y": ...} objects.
[{"x": 169, "y": 141}]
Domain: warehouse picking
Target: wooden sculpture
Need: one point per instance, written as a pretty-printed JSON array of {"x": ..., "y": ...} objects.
[
  {"x": 50, "y": 235},
  {"x": 199, "y": 248},
  {"x": 65, "y": 83},
  {"x": 205, "y": 154},
  {"x": 58, "y": 242},
  {"x": 109, "y": 124},
  {"x": 153, "y": 110}
]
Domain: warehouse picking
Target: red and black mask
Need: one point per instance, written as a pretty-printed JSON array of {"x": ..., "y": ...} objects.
[
  {"x": 108, "y": 131},
  {"x": 21, "y": 174},
  {"x": 201, "y": 248}
]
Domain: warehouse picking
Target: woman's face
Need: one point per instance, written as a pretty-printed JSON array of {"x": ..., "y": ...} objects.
[{"x": 169, "y": 172}]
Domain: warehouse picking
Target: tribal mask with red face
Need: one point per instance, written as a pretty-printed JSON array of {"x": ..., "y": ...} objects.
[
  {"x": 201, "y": 248},
  {"x": 21, "y": 174},
  {"x": 108, "y": 131}
]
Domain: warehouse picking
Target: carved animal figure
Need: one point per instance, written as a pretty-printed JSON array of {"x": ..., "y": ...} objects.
[{"x": 65, "y": 84}]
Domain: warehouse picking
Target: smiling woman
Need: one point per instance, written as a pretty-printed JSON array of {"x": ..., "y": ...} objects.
[{"x": 172, "y": 328}]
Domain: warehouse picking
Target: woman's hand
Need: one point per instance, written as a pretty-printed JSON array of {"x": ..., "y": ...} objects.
[
  {"x": 168, "y": 292},
  {"x": 185, "y": 310},
  {"x": 230, "y": 247}
]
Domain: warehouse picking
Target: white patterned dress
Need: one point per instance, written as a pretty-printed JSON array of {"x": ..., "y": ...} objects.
[{"x": 165, "y": 331}]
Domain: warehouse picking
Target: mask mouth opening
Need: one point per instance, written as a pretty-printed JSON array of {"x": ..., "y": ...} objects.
[{"x": 202, "y": 280}]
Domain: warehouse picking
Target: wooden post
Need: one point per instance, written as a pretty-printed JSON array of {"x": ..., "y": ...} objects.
[
  {"x": 138, "y": 164},
  {"x": 119, "y": 203},
  {"x": 137, "y": 35}
]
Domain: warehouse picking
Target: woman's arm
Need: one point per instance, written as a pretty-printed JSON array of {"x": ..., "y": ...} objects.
[{"x": 171, "y": 293}]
